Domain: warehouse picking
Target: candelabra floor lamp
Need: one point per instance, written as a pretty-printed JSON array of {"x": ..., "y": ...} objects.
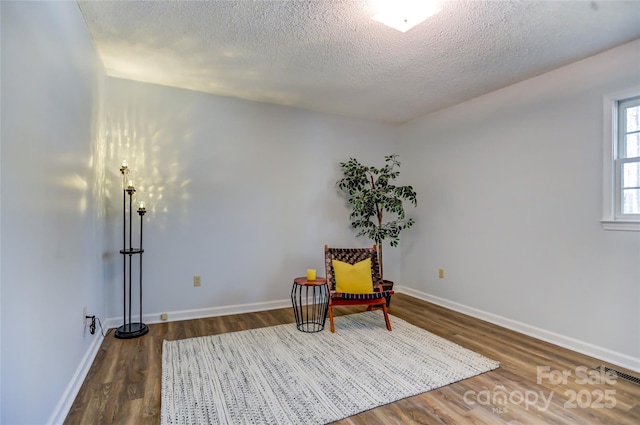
[{"x": 130, "y": 329}]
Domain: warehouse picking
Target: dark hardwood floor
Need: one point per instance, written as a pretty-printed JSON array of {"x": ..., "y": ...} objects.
[{"x": 123, "y": 384}]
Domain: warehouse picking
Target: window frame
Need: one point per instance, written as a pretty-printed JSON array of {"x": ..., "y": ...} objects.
[{"x": 612, "y": 219}]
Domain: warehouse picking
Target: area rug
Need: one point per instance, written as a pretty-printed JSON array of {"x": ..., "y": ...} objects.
[{"x": 279, "y": 375}]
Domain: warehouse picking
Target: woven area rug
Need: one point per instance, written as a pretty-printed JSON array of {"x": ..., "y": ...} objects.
[{"x": 279, "y": 375}]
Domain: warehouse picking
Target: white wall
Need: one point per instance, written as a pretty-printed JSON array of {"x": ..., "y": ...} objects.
[
  {"x": 52, "y": 192},
  {"x": 241, "y": 193},
  {"x": 510, "y": 188}
]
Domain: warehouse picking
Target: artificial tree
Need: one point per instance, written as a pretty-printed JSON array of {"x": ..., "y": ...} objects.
[{"x": 371, "y": 193}]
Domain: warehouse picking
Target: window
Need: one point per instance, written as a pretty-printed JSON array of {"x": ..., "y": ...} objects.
[
  {"x": 628, "y": 159},
  {"x": 621, "y": 194}
]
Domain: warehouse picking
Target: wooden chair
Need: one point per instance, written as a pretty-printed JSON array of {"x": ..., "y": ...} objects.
[{"x": 352, "y": 256}]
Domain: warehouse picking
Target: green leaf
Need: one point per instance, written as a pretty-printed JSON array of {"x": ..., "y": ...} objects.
[{"x": 371, "y": 192}]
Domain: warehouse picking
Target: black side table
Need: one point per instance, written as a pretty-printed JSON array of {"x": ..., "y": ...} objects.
[{"x": 310, "y": 300}]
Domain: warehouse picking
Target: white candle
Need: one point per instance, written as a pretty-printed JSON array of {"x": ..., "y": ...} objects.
[
  {"x": 124, "y": 164},
  {"x": 141, "y": 205},
  {"x": 130, "y": 183}
]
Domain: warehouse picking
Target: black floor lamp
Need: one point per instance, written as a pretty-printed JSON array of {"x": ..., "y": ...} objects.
[{"x": 130, "y": 329}]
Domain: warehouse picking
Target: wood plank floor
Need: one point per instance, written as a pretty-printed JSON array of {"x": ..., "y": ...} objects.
[{"x": 123, "y": 384}]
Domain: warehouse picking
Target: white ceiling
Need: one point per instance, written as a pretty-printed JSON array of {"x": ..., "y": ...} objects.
[{"x": 330, "y": 56}]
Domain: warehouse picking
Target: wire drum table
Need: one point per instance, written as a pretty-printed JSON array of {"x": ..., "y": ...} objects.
[{"x": 310, "y": 300}]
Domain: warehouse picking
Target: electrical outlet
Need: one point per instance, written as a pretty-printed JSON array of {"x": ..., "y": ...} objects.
[
  {"x": 196, "y": 281},
  {"x": 84, "y": 315},
  {"x": 164, "y": 316},
  {"x": 441, "y": 273}
]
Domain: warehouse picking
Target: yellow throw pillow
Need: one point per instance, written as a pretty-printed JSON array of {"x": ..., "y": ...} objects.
[{"x": 353, "y": 279}]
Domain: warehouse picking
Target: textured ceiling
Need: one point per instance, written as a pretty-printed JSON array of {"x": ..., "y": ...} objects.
[{"x": 330, "y": 56}]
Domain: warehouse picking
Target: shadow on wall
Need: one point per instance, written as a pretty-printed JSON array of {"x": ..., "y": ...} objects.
[
  {"x": 153, "y": 158},
  {"x": 138, "y": 133}
]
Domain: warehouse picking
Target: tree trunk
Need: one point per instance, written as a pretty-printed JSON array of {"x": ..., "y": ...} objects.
[
  {"x": 380, "y": 261},
  {"x": 379, "y": 211}
]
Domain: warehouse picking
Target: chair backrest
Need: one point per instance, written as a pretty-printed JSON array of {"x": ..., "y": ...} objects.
[{"x": 351, "y": 256}]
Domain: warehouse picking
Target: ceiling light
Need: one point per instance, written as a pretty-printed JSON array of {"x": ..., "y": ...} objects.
[{"x": 403, "y": 15}]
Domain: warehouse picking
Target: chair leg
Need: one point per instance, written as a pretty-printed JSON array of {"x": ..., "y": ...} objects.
[
  {"x": 386, "y": 316},
  {"x": 333, "y": 329}
]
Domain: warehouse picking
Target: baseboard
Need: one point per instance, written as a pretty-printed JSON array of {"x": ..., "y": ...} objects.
[
  {"x": 623, "y": 360},
  {"x": 64, "y": 405},
  {"x": 174, "y": 316}
]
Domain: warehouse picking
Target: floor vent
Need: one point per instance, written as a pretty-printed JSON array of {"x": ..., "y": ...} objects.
[{"x": 621, "y": 375}]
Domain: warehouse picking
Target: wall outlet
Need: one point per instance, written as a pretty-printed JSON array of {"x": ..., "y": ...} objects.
[
  {"x": 441, "y": 273},
  {"x": 164, "y": 316},
  {"x": 84, "y": 315},
  {"x": 196, "y": 281}
]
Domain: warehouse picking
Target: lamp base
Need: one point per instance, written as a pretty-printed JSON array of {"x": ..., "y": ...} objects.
[{"x": 132, "y": 330}]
